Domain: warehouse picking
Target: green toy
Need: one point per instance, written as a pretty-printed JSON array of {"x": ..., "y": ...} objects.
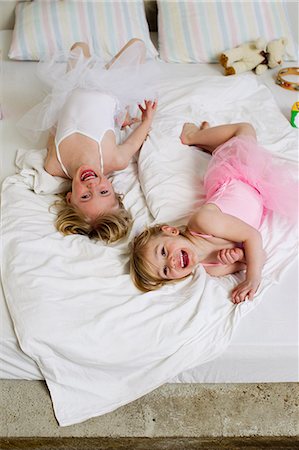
[{"x": 294, "y": 115}]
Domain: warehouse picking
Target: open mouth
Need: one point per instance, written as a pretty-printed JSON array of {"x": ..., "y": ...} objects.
[
  {"x": 184, "y": 259},
  {"x": 88, "y": 175}
]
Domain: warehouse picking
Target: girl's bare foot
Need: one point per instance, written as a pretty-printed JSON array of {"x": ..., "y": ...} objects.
[
  {"x": 189, "y": 130},
  {"x": 204, "y": 125}
]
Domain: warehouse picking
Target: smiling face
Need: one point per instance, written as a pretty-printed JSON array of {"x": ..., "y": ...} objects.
[
  {"x": 92, "y": 193},
  {"x": 171, "y": 255}
]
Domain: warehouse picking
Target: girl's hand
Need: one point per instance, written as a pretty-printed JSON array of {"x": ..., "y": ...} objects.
[
  {"x": 147, "y": 113},
  {"x": 230, "y": 255},
  {"x": 129, "y": 121},
  {"x": 245, "y": 289}
]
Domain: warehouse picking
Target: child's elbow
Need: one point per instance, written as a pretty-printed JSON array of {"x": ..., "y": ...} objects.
[
  {"x": 121, "y": 162},
  {"x": 264, "y": 256}
]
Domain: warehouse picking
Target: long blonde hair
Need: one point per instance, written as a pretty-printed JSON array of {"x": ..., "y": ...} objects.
[
  {"x": 140, "y": 269},
  {"x": 107, "y": 227}
]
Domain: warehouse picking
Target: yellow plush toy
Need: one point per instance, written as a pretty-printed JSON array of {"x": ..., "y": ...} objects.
[{"x": 254, "y": 55}]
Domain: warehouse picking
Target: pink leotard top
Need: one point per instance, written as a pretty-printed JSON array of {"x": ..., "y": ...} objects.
[
  {"x": 240, "y": 200},
  {"x": 89, "y": 113}
]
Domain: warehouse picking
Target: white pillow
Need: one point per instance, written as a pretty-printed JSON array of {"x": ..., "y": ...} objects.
[
  {"x": 43, "y": 28},
  {"x": 197, "y": 31},
  {"x": 168, "y": 173}
]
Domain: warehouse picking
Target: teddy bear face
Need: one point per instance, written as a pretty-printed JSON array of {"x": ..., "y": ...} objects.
[{"x": 275, "y": 50}]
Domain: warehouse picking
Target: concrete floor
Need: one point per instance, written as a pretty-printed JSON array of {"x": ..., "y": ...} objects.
[{"x": 172, "y": 411}]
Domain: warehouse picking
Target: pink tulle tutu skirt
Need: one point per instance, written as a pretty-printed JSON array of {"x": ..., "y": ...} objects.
[{"x": 241, "y": 158}]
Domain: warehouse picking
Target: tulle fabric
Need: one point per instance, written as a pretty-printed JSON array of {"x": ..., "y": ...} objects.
[
  {"x": 241, "y": 158},
  {"x": 129, "y": 80}
]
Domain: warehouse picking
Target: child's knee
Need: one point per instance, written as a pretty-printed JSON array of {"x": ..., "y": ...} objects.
[
  {"x": 136, "y": 41},
  {"x": 83, "y": 46},
  {"x": 139, "y": 45}
]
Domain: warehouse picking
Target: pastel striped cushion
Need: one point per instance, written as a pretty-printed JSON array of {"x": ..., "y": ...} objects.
[
  {"x": 196, "y": 31},
  {"x": 45, "y": 27}
]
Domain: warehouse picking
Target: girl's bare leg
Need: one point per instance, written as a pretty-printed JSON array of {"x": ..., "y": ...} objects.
[
  {"x": 84, "y": 47},
  {"x": 208, "y": 138},
  {"x": 139, "y": 54},
  {"x": 142, "y": 52},
  {"x": 85, "y": 50}
]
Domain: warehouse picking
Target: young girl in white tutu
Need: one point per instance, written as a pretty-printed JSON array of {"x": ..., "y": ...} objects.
[
  {"x": 242, "y": 182},
  {"x": 87, "y": 102}
]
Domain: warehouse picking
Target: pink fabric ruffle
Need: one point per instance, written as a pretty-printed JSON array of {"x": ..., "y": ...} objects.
[{"x": 242, "y": 158}]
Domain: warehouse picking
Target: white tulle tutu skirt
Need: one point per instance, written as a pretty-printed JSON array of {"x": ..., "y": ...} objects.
[{"x": 128, "y": 79}]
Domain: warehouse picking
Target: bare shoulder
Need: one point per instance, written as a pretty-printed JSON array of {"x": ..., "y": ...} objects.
[
  {"x": 52, "y": 165},
  {"x": 111, "y": 153},
  {"x": 203, "y": 218},
  {"x": 209, "y": 219}
]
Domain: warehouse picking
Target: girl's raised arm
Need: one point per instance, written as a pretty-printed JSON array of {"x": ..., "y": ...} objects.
[
  {"x": 211, "y": 221},
  {"x": 132, "y": 144}
]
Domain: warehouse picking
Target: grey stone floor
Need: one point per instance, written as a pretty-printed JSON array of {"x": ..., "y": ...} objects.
[
  {"x": 258, "y": 443},
  {"x": 173, "y": 410},
  {"x": 173, "y": 417}
]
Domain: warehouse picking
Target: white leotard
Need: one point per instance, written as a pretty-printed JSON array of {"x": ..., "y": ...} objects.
[{"x": 90, "y": 113}]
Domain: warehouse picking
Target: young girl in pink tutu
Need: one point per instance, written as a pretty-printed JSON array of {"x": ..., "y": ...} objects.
[
  {"x": 242, "y": 182},
  {"x": 87, "y": 103}
]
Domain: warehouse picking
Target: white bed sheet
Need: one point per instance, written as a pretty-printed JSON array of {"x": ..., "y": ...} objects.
[
  {"x": 270, "y": 329},
  {"x": 14, "y": 363}
]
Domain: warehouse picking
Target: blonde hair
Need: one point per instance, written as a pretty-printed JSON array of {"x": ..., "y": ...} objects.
[
  {"x": 107, "y": 227},
  {"x": 140, "y": 269}
]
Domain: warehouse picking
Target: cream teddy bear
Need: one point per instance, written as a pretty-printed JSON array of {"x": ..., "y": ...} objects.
[{"x": 255, "y": 55}]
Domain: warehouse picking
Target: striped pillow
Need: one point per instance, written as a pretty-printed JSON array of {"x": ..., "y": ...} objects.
[
  {"x": 43, "y": 28},
  {"x": 196, "y": 31}
]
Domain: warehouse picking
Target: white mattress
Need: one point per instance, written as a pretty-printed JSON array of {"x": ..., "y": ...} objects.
[{"x": 264, "y": 347}]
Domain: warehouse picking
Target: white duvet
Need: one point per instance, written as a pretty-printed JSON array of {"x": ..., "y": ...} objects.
[{"x": 97, "y": 340}]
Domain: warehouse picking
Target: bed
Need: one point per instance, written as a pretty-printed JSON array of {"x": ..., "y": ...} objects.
[{"x": 69, "y": 312}]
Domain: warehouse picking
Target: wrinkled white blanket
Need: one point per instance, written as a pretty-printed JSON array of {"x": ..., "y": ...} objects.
[{"x": 97, "y": 340}]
